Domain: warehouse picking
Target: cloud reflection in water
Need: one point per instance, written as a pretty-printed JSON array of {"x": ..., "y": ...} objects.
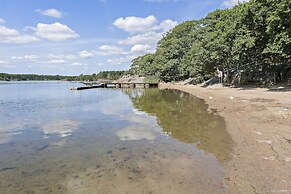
[
  {"x": 8, "y": 131},
  {"x": 63, "y": 128}
]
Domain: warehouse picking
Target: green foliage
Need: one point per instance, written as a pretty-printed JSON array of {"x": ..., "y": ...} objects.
[
  {"x": 111, "y": 75},
  {"x": 31, "y": 77},
  {"x": 152, "y": 79},
  {"x": 248, "y": 40}
]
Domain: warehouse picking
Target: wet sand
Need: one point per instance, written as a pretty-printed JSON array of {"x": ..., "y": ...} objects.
[{"x": 259, "y": 121}]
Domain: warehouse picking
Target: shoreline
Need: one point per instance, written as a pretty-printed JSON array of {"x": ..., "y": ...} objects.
[{"x": 258, "y": 121}]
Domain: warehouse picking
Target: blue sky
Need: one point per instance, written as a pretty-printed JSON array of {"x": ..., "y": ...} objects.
[{"x": 70, "y": 37}]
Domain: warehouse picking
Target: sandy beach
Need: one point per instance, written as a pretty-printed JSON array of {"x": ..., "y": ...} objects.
[{"x": 259, "y": 121}]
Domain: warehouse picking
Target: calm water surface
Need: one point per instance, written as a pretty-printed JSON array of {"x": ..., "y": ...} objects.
[{"x": 54, "y": 140}]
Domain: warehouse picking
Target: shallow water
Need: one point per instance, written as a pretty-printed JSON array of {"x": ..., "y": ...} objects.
[{"x": 53, "y": 140}]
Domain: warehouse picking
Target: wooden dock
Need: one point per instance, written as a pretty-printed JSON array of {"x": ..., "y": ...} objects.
[{"x": 116, "y": 85}]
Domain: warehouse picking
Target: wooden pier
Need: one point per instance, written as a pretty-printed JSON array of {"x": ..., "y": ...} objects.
[{"x": 116, "y": 85}]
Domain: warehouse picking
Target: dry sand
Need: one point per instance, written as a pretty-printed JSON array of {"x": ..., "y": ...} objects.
[{"x": 259, "y": 121}]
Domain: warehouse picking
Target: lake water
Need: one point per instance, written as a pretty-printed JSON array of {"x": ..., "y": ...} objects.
[{"x": 54, "y": 140}]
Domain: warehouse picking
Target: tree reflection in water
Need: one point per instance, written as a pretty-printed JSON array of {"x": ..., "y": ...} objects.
[{"x": 185, "y": 118}]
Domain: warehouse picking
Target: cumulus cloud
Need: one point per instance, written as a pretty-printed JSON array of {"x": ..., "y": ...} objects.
[
  {"x": 55, "y": 32},
  {"x": 166, "y": 25},
  {"x": 86, "y": 54},
  {"x": 56, "y": 61},
  {"x": 110, "y": 50},
  {"x": 8, "y": 32},
  {"x": 121, "y": 60},
  {"x": 136, "y": 24},
  {"x": 8, "y": 35},
  {"x": 2, "y": 20},
  {"x": 78, "y": 64},
  {"x": 26, "y": 57},
  {"x": 139, "y": 48},
  {"x": 104, "y": 50},
  {"x": 231, "y": 3},
  {"x": 51, "y": 13},
  {"x": 146, "y": 38},
  {"x": 3, "y": 62},
  {"x": 147, "y": 31},
  {"x": 51, "y": 32},
  {"x": 62, "y": 56}
]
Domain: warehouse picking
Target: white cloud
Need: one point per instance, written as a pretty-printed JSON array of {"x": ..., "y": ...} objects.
[
  {"x": 16, "y": 57},
  {"x": 86, "y": 54},
  {"x": 62, "y": 56},
  {"x": 104, "y": 50},
  {"x": 100, "y": 64},
  {"x": 148, "y": 31},
  {"x": 56, "y": 61},
  {"x": 107, "y": 50},
  {"x": 52, "y": 32},
  {"x": 55, "y": 32},
  {"x": 78, "y": 64},
  {"x": 136, "y": 24},
  {"x": 110, "y": 48},
  {"x": 139, "y": 48},
  {"x": 8, "y": 35},
  {"x": 146, "y": 38},
  {"x": 7, "y": 32},
  {"x": 30, "y": 57},
  {"x": 166, "y": 25},
  {"x": 5, "y": 64},
  {"x": 26, "y": 57},
  {"x": 2, "y": 20},
  {"x": 231, "y": 3},
  {"x": 121, "y": 60},
  {"x": 51, "y": 12},
  {"x": 21, "y": 39}
]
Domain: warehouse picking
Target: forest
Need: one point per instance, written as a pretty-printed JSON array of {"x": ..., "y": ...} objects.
[
  {"x": 107, "y": 75},
  {"x": 32, "y": 77},
  {"x": 250, "y": 43}
]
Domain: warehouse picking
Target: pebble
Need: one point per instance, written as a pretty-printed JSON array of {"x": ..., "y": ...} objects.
[
  {"x": 264, "y": 141},
  {"x": 287, "y": 159}
]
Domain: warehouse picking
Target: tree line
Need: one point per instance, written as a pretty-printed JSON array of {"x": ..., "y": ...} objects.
[
  {"x": 108, "y": 75},
  {"x": 31, "y": 77},
  {"x": 250, "y": 42}
]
